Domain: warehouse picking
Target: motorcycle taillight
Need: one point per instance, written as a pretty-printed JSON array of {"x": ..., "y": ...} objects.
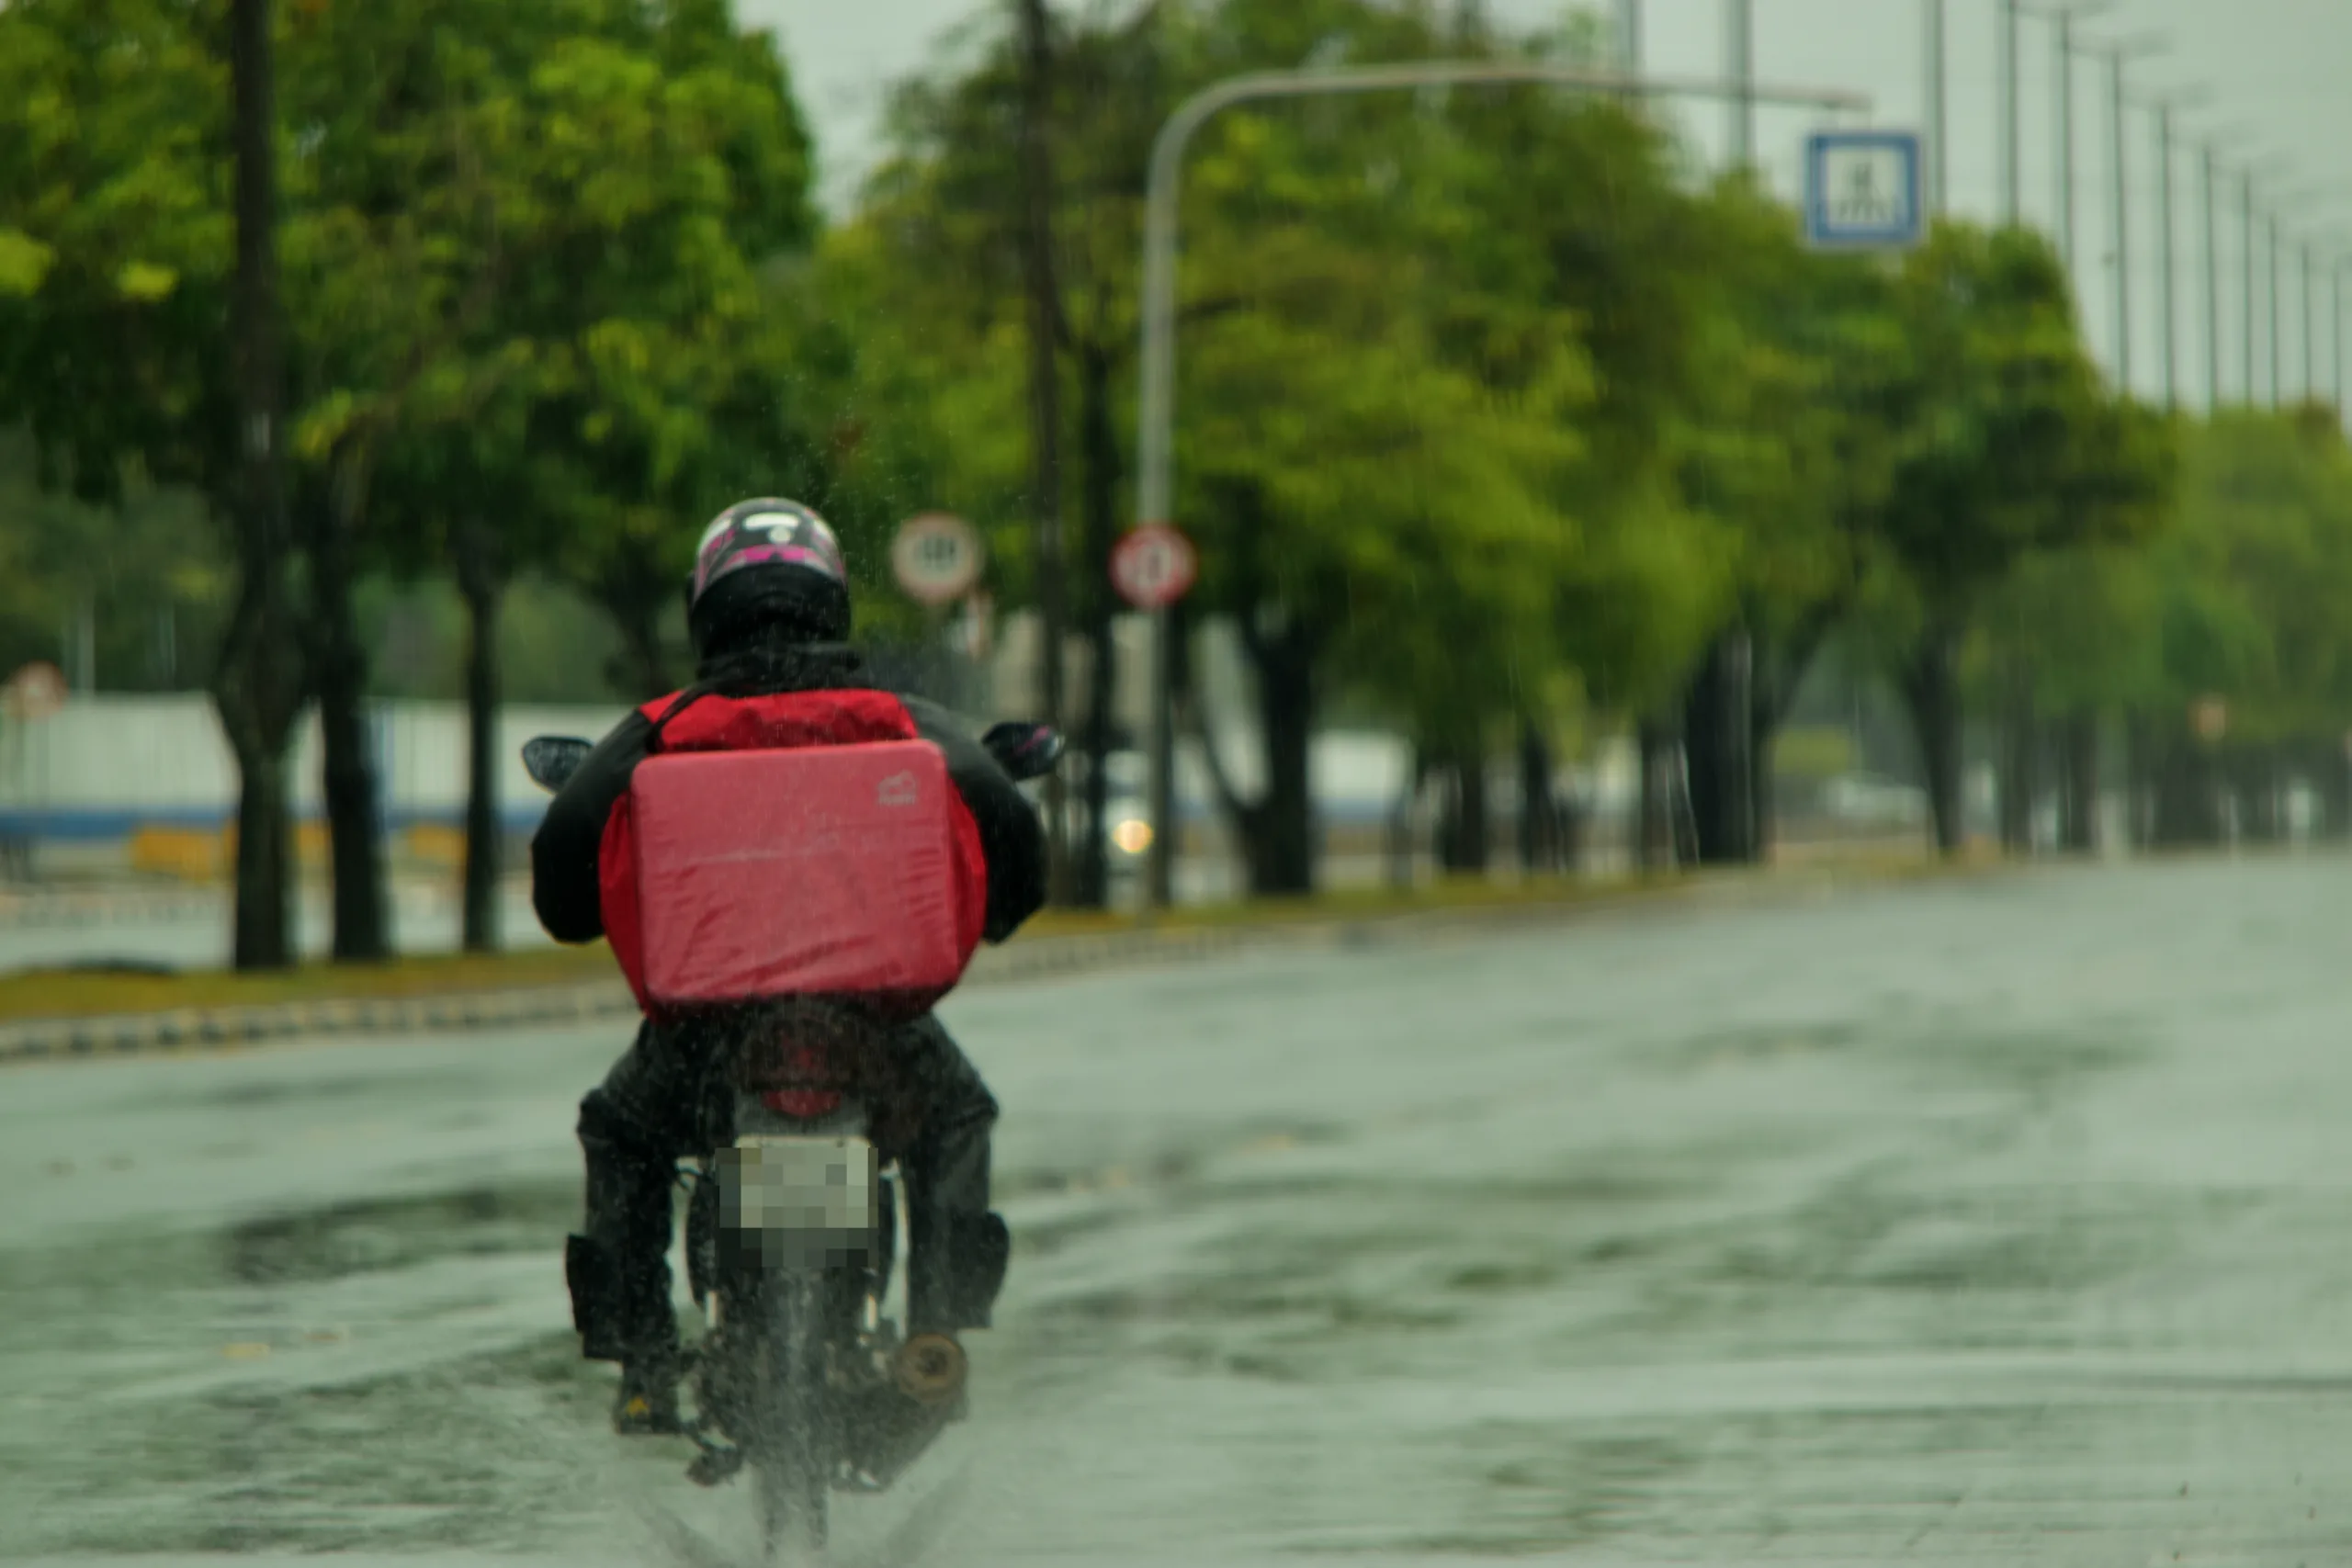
[{"x": 802, "y": 1104}]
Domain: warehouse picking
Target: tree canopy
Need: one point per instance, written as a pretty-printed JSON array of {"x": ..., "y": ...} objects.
[{"x": 1495, "y": 409}]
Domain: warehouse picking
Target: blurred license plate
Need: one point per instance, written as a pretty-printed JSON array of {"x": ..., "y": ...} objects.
[{"x": 819, "y": 1185}]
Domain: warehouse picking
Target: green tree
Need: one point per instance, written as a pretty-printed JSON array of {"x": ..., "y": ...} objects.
[
  {"x": 2006, "y": 443},
  {"x": 2074, "y": 632},
  {"x": 560, "y": 195},
  {"x": 1312, "y": 231},
  {"x": 2250, "y": 585},
  {"x": 146, "y": 570},
  {"x": 616, "y": 174},
  {"x": 1783, "y": 440}
]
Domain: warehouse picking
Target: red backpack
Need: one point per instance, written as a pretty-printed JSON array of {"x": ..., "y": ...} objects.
[{"x": 802, "y": 843}]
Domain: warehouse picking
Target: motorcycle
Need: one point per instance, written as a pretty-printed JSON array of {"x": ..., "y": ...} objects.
[{"x": 792, "y": 1230}]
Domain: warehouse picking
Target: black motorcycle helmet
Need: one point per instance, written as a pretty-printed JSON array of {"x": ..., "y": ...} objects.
[{"x": 768, "y": 571}]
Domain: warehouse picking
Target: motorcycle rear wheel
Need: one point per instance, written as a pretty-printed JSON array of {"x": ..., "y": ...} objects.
[{"x": 794, "y": 1459}]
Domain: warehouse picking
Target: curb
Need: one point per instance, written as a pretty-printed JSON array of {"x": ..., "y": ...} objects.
[
  {"x": 221, "y": 1029},
  {"x": 192, "y": 1031}
]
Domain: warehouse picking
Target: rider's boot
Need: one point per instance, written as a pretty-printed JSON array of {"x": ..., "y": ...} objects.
[
  {"x": 647, "y": 1404},
  {"x": 619, "y": 1272}
]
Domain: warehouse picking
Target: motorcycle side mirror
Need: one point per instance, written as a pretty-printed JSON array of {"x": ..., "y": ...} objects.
[
  {"x": 1026, "y": 750},
  {"x": 551, "y": 759}
]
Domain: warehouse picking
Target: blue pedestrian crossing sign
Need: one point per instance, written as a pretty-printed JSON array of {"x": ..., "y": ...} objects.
[{"x": 1862, "y": 190}]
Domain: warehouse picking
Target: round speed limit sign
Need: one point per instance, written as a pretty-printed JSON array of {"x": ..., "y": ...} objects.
[
  {"x": 937, "y": 557},
  {"x": 1153, "y": 566}
]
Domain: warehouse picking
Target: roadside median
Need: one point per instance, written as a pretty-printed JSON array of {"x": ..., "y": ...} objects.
[{"x": 71, "y": 1014}]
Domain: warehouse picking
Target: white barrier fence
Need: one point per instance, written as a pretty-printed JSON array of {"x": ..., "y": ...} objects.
[{"x": 108, "y": 765}]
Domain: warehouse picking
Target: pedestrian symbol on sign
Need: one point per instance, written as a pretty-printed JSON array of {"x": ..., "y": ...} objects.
[{"x": 1863, "y": 205}]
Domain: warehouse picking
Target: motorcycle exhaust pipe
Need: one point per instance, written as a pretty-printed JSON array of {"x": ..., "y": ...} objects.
[{"x": 930, "y": 1369}]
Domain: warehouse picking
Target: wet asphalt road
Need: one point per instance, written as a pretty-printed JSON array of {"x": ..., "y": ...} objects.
[{"x": 1992, "y": 1221}]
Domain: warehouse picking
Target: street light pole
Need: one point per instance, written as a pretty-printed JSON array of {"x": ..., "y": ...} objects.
[
  {"x": 2247, "y": 250},
  {"x": 2122, "y": 227},
  {"x": 2120, "y": 54},
  {"x": 2274, "y": 309},
  {"x": 1629, "y": 35},
  {"x": 2167, "y": 106},
  {"x": 2012, "y": 153},
  {"x": 1156, "y": 397},
  {"x": 2066, "y": 141},
  {"x": 1939, "y": 151},
  {"x": 2165, "y": 282},
  {"x": 1739, "y": 64},
  {"x": 2213, "y": 283},
  {"x": 2064, "y": 15},
  {"x": 2336, "y": 334},
  {"x": 2311, "y": 338}
]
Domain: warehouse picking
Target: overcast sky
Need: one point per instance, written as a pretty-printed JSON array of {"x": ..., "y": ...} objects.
[{"x": 2278, "y": 71}]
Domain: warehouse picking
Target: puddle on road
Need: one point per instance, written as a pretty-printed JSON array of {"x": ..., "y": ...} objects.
[
  {"x": 460, "y": 1445},
  {"x": 1946, "y": 1050},
  {"x": 391, "y": 1232},
  {"x": 170, "y": 1391}
]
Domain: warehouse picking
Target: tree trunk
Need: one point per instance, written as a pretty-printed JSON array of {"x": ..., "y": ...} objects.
[
  {"x": 362, "y": 921},
  {"x": 2020, "y": 767},
  {"x": 2332, "y": 775},
  {"x": 2079, "y": 815},
  {"x": 258, "y": 684},
  {"x": 1538, "y": 808},
  {"x": 637, "y": 593},
  {"x": 1573, "y": 827},
  {"x": 2139, "y": 787},
  {"x": 265, "y": 917},
  {"x": 1931, "y": 690},
  {"x": 643, "y": 667},
  {"x": 1763, "y": 740},
  {"x": 1717, "y": 726},
  {"x": 1044, "y": 329},
  {"x": 2187, "y": 797},
  {"x": 1400, "y": 824},
  {"x": 258, "y": 699},
  {"x": 1476, "y": 841},
  {"x": 1276, "y": 830},
  {"x": 1654, "y": 829},
  {"x": 1280, "y": 832},
  {"x": 1464, "y": 835},
  {"x": 1779, "y": 677},
  {"x": 483, "y": 585},
  {"x": 1097, "y": 515},
  {"x": 2258, "y": 788}
]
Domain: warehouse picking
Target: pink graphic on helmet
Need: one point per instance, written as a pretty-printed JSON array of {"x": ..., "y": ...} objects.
[{"x": 770, "y": 534}]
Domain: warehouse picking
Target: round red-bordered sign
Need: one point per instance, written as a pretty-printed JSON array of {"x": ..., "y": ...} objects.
[
  {"x": 937, "y": 557},
  {"x": 1153, "y": 566}
]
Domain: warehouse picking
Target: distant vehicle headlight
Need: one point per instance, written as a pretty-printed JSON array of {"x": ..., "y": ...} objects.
[{"x": 1133, "y": 836}]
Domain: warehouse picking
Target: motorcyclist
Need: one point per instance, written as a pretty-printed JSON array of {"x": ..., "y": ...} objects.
[{"x": 768, "y": 612}]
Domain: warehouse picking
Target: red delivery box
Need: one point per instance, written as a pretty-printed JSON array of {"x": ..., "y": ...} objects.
[{"x": 821, "y": 870}]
